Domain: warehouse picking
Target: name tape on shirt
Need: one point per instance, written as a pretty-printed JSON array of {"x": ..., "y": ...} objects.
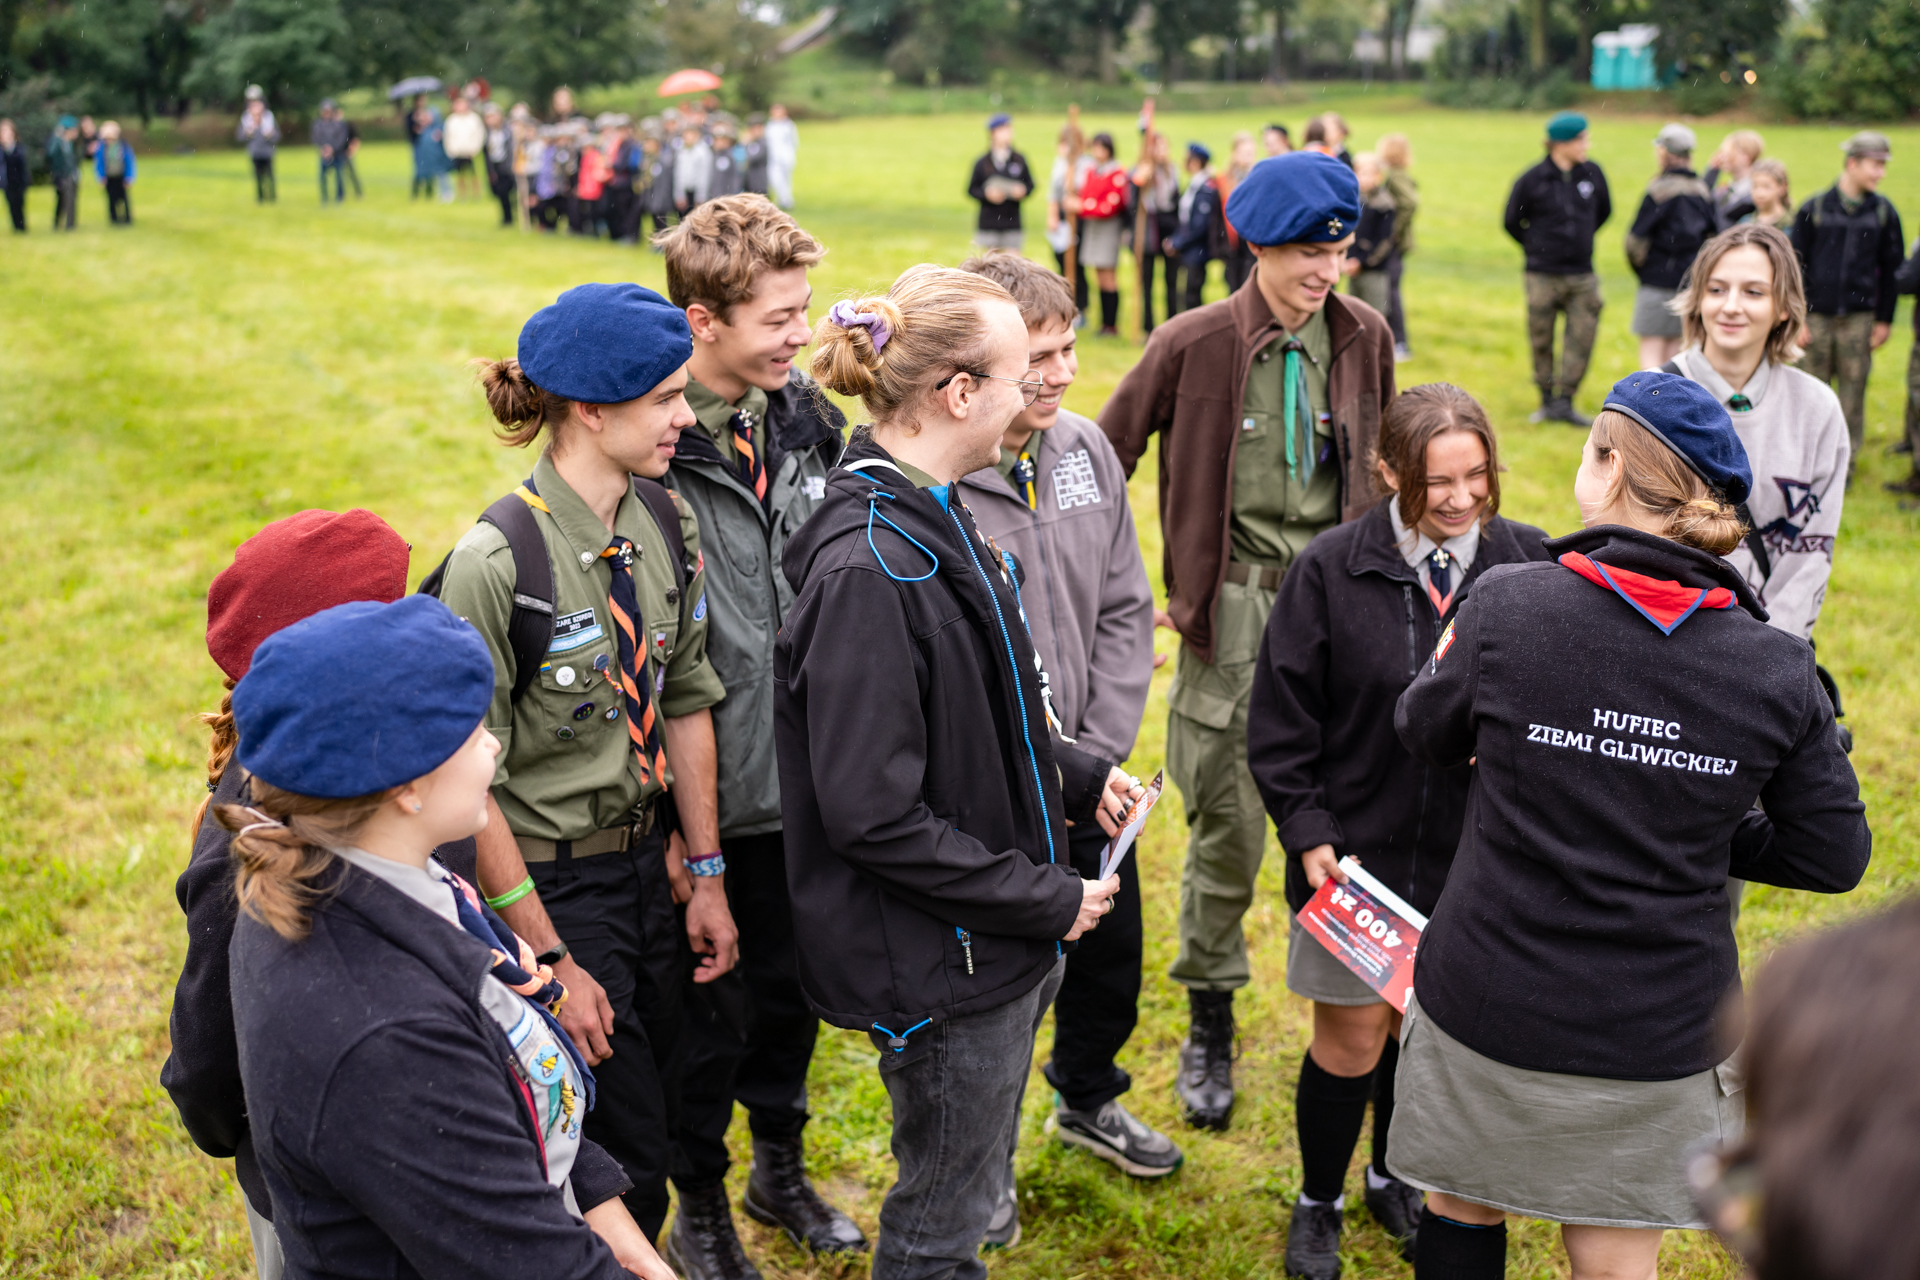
[{"x": 571, "y": 630}]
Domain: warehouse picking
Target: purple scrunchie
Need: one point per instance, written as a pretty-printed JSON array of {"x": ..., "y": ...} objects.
[{"x": 843, "y": 314}]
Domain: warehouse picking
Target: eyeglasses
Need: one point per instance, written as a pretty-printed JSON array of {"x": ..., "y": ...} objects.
[{"x": 1029, "y": 389}]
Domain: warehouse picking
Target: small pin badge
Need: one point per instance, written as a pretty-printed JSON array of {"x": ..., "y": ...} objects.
[
  {"x": 582, "y": 711},
  {"x": 563, "y": 677},
  {"x": 1334, "y": 226}
]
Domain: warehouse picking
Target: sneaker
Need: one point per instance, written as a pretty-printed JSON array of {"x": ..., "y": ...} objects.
[
  {"x": 1004, "y": 1231},
  {"x": 1313, "y": 1242},
  {"x": 1396, "y": 1207},
  {"x": 1114, "y": 1133},
  {"x": 1402, "y": 353}
]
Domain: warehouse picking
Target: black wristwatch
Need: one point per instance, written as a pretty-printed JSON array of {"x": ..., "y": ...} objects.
[{"x": 553, "y": 955}]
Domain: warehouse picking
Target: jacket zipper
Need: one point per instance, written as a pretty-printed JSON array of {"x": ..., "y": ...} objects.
[
  {"x": 1413, "y": 644},
  {"x": 966, "y": 944}
]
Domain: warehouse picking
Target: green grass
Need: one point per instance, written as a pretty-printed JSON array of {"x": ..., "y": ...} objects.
[{"x": 170, "y": 388}]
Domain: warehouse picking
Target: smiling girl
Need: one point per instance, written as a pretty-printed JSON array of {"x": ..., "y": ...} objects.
[{"x": 1354, "y": 620}]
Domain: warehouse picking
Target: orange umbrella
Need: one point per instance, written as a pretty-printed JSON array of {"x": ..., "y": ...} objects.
[{"x": 692, "y": 80}]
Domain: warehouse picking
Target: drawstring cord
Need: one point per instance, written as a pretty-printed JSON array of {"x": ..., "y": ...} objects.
[
  {"x": 873, "y": 510},
  {"x": 897, "y": 1041}
]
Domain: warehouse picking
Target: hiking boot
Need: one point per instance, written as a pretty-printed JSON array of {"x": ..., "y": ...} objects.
[
  {"x": 1910, "y": 487},
  {"x": 779, "y": 1195},
  {"x": 702, "y": 1244},
  {"x": 1113, "y": 1133},
  {"x": 1396, "y": 1207},
  {"x": 1544, "y": 413},
  {"x": 1004, "y": 1231},
  {"x": 1313, "y": 1242},
  {"x": 1562, "y": 410},
  {"x": 1205, "y": 1082}
]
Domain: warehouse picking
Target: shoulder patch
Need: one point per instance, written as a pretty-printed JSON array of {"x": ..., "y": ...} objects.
[
  {"x": 1446, "y": 643},
  {"x": 700, "y": 608}
]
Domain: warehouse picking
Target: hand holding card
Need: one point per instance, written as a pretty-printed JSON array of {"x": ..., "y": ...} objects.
[{"x": 1130, "y": 827}]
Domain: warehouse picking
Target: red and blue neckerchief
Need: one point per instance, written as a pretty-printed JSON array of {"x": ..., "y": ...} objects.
[
  {"x": 515, "y": 965},
  {"x": 1661, "y": 601}
]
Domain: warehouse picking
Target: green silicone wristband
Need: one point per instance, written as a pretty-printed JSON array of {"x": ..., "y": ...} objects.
[{"x": 512, "y": 895}]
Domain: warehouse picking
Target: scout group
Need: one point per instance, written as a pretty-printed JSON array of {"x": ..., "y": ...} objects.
[{"x": 731, "y": 718}]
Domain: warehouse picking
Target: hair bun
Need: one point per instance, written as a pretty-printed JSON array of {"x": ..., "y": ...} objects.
[{"x": 846, "y": 357}]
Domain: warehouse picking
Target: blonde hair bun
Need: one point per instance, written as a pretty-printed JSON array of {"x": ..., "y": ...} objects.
[{"x": 933, "y": 326}]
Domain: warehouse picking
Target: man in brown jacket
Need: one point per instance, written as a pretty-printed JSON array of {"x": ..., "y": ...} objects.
[{"x": 1270, "y": 403}]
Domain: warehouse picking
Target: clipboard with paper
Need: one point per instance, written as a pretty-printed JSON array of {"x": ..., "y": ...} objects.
[{"x": 1130, "y": 827}]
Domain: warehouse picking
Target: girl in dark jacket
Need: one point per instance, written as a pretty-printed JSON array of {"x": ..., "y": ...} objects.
[
  {"x": 1355, "y": 616},
  {"x": 925, "y": 806},
  {"x": 1624, "y": 708},
  {"x": 415, "y": 1106}
]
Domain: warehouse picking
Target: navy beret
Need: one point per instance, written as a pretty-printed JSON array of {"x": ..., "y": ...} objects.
[
  {"x": 1302, "y": 197},
  {"x": 604, "y": 343},
  {"x": 362, "y": 697},
  {"x": 1199, "y": 151},
  {"x": 997, "y": 119},
  {"x": 1687, "y": 418}
]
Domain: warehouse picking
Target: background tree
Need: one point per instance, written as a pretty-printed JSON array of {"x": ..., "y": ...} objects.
[
  {"x": 1857, "y": 59},
  {"x": 729, "y": 39},
  {"x": 1178, "y": 23},
  {"x": 539, "y": 45},
  {"x": 1724, "y": 36},
  {"x": 108, "y": 55},
  {"x": 293, "y": 49}
]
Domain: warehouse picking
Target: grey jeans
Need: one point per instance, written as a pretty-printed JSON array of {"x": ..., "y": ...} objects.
[{"x": 956, "y": 1092}]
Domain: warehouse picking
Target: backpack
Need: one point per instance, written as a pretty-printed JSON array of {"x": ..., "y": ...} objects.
[{"x": 530, "y": 626}]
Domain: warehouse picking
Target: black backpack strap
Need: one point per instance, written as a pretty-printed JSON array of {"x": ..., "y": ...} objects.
[
  {"x": 667, "y": 515},
  {"x": 530, "y": 626}
]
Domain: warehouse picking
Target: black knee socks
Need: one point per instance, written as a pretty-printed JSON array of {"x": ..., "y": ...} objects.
[
  {"x": 1328, "y": 1111},
  {"x": 1449, "y": 1250},
  {"x": 1109, "y": 308},
  {"x": 1383, "y": 1104}
]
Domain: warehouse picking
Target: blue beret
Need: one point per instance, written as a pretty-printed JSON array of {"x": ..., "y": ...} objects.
[
  {"x": 1566, "y": 126},
  {"x": 362, "y": 697},
  {"x": 998, "y": 119},
  {"x": 1687, "y": 418},
  {"x": 1302, "y": 197},
  {"x": 604, "y": 343},
  {"x": 1199, "y": 151}
]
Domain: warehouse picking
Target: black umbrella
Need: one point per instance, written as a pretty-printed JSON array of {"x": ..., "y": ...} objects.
[{"x": 412, "y": 85}]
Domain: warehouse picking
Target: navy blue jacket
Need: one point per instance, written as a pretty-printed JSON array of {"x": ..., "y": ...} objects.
[
  {"x": 385, "y": 1115},
  {"x": 1584, "y": 926}
]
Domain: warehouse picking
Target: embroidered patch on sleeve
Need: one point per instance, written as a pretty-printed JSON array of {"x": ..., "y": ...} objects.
[
  {"x": 1074, "y": 484},
  {"x": 1446, "y": 643}
]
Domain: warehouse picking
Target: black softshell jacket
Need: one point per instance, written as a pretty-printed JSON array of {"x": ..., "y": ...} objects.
[
  {"x": 1584, "y": 926},
  {"x": 921, "y": 796},
  {"x": 1350, "y": 629},
  {"x": 1553, "y": 216}
]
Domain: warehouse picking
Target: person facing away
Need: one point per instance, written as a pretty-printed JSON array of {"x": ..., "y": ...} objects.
[
  {"x": 1850, "y": 245},
  {"x": 415, "y": 1105},
  {"x": 63, "y": 170},
  {"x": 1267, "y": 406},
  {"x": 1638, "y": 734},
  {"x": 1552, "y": 213},
  {"x": 1676, "y": 217},
  {"x": 114, "y": 166},
  {"x": 924, "y": 802},
  {"x": 1001, "y": 179},
  {"x": 1056, "y": 501},
  {"x": 753, "y": 470},
  {"x": 1360, "y": 604}
]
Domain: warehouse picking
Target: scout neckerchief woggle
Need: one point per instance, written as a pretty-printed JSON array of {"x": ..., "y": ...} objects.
[
  {"x": 624, "y": 604},
  {"x": 753, "y": 472},
  {"x": 1295, "y": 400},
  {"x": 1440, "y": 580},
  {"x": 1024, "y": 474}
]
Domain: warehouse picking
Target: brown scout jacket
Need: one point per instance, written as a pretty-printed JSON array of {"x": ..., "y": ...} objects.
[{"x": 1189, "y": 385}]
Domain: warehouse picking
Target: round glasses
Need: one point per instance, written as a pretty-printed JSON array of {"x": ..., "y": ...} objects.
[{"x": 1030, "y": 389}]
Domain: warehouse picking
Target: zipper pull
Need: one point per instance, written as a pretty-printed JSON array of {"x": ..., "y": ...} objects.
[{"x": 966, "y": 944}]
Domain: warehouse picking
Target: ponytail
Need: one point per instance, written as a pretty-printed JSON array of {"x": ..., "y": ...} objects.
[
  {"x": 1655, "y": 480},
  {"x": 283, "y": 851},
  {"x": 220, "y": 748},
  {"x": 521, "y": 408}
]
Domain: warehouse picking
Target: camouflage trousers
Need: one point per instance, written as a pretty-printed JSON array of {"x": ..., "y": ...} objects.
[
  {"x": 1913, "y": 402},
  {"x": 1841, "y": 353},
  {"x": 1547, "y": 296}
]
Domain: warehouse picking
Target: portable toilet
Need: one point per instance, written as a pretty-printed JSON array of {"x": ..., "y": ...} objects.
[{"x": 1623, "y": 59}]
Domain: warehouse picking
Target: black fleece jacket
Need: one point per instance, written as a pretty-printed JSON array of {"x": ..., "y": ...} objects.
[
  {"x": 921, "y": 795},
  {"x": 390, "y": 1126},
  {"x": 1850, "y": 258},
  {"x": 1584, "y": 927},
  {"x": 1553, "y": 216},
  {"x": 1348, "y": 632}
]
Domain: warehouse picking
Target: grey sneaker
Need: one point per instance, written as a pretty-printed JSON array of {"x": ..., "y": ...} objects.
[
  {"x": 1114, "y": 1133},
  {"x": 1004, "y": 1231},
  {"x": 1396, "y": 1207},
  {"x": 1313, "y": 1242}
]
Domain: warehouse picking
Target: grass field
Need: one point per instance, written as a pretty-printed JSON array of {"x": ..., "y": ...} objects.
[{"x": 170, "y": 388}]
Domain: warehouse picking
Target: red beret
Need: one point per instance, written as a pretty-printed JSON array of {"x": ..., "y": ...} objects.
[{"x": 293, "y": 569}]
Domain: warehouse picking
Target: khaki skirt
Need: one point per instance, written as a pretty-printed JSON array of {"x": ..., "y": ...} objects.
[{"x": 1572, "y": 1149}]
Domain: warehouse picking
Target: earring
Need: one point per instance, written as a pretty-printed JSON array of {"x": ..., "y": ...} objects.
[{"x": 416, "y": 806}]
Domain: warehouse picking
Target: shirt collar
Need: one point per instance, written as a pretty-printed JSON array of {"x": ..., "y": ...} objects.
[
  {"x": 716, "y": 415},
  {"x": 427, "y": 887},
  {"x": 1693, "y": 362},
  {"x": 586, "y": 536},
  {"x": 1415, "y": 547}
]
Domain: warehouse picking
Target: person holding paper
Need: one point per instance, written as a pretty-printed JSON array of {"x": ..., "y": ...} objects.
[
  {"x": 1056, "y": 501},
  {"x": 1362, "y": 602},
  {"x": 1638, "y": 734}
]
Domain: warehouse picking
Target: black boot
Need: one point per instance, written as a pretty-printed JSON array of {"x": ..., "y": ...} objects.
[
  {"x": 779, "y": 1195},
  {"x": 702, "y": 1244},
  {"x": 1109, "y": 313},
  {"x": 1205, "y": 1082}
]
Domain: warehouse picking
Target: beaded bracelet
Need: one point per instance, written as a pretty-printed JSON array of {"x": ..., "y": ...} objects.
[
  {"x": 512, "y": 895},
  {"x": 708, "y": 864}
]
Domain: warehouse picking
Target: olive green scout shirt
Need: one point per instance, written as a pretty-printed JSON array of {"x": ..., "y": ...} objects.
[
  {"x": 716, "y": 418},
  {"x": 565, "y": 769},
  {"x": 1273, "y": 516}
]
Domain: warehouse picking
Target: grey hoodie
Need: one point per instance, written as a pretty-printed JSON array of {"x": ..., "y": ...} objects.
[{"x": 1088, "y": 603}]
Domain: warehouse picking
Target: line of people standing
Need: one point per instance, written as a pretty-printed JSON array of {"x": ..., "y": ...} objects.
[{"x": 73, "y": 146}]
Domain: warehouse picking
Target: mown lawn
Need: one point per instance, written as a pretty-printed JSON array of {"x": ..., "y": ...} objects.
[{"x": 170, "y": 388}]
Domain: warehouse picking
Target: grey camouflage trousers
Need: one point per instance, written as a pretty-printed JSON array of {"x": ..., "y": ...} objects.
[{"x": 1548, "y": 296}]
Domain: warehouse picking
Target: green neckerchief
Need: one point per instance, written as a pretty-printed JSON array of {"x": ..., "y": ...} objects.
[{"x": 1298, "y": 408}]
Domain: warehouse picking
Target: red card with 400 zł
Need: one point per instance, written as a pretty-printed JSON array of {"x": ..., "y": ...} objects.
[{"x": 1369, "y": 928}]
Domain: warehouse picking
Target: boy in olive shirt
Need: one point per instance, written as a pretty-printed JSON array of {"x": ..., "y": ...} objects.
[{"x": 752, "y": 470}]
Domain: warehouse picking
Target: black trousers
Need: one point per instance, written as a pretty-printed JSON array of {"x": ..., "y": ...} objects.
[
  {"x": 1239, "y": 263},
  {"x": 1146, "y": 263},
  {"x": 17, "y": 205},
  {"x": 1196, "y": 273},
  {"x": 1099, "y": 1001},
  {"x": 500, "y": 182},
  {"x": 119, "y": 208},
  {"x": 750, "y": 1034},
  {"x": 1079, "y": 278},
  {"x": 616, "y": 914},
  {"x": 264, "y": 189}
]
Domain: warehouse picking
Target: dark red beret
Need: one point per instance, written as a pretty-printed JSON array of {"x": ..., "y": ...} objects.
[{"x": 293, "y": 569}]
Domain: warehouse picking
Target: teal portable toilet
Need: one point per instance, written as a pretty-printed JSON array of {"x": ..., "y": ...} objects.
[{"x": 1623, "y": 59}]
